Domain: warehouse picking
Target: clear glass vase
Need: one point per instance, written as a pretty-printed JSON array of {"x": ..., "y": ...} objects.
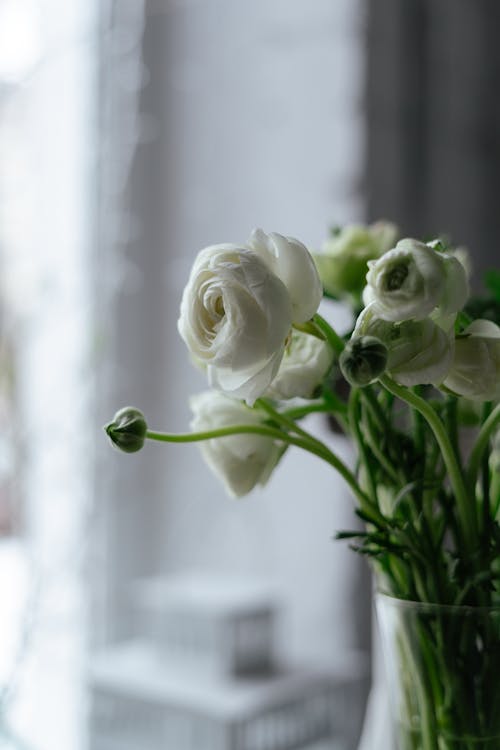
[{"x": 443, "y": 670}]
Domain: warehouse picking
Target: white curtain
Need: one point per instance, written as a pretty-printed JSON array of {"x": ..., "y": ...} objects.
[
  {"x": 177, "y": 125},
  {"x": 47, "y": 148},
  {"x": 237, "y": 115}
]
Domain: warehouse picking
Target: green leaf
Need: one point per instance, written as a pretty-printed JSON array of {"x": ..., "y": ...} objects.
[
  {"x": 350, "y": 535},
  {"x": 492, "y": 282},
  {"x": 462, "y": 321},
  {"x": 367, "y": 516}
]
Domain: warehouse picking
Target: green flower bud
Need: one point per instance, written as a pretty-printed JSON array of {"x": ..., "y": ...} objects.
[
  {"x": 363, "y": 360},
  {"x": 128, "y": 429},
  {"x": 343, "y": 261}
]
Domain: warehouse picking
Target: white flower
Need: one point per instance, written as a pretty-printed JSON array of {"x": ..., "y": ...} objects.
[
  {"x": 420, "y": 351},
  {"x": 305, "y": 363},
  {"x": 235, "y": 318},
  {"x": 239, "y": 461},
  {"x": 456, "y": 286},
  {"x": 413, "y": 280},
  {"x": 475, "y": 372},
  {"x": 238, "y": 308},
  {"x": 342, "y": 263},
  {"x": 291, "y": 261}
]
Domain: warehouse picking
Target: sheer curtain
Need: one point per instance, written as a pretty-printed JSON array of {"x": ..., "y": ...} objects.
[
  {"x": 216, "y": 117},
  {"x": 134, "y": 134},
  {"x": 47, "y": 145}
]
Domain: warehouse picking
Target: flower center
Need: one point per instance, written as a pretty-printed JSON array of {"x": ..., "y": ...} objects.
[
  {"x": 219, "y": 307},
  {"x": 395, "y": 278}
]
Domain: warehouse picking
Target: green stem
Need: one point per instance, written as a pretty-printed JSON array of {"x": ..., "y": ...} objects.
[
  {"x": 336, "y": 342},
  {"x": 354, "y": 422},
  {"x": 379, "y": 454},
  {"x": 466, "y": 509},
  {"x": 417, "y": 420},
  {"x": 286, "y": 422},
  {"x": 309, "y": 445},
  {"x": 481, "y": 444},
  {"x": 376, "y": 410},
  {"x": 418, "y": 439},
  {"x": 298, "y": 412},
  {"x": 337, "y": 408},
  {"x": 485, "y": 476},
  {"x": 452, "y": 422}
]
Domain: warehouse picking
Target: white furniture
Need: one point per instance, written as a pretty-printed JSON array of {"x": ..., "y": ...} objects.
[{"x": 205, "y": 677}]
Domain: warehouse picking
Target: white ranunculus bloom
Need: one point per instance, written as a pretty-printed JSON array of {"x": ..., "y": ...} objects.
[
  {"x": 463, "y": 256},
  {"x": 235, "y": 318},
  {"x": 456, "y": 286},
  {"x": 413, "y": 280},
  {"x": 420, "y": 351},
  {"x": 475, "y": 372},
  {"x": 292, "y": 262},
  {"x": 305, "y": 363},
  {"x": 239, "y": 461},
  {"x": 239, "y": 305}
]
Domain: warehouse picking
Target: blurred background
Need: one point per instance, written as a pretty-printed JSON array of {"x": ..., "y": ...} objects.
[{"x": 139, "y": 606}]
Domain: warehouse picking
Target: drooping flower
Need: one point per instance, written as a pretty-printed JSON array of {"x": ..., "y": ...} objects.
[
  {"x": 305, "y": 363},
  {"x": 238, "y": 307},
  {"x": 475, "y": 371},
  {"x": 240, "y": 461},
  {"x": 414, "y": 280}
]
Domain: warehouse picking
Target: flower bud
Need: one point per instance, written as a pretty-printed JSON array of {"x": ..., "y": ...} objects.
[
  {"x": 342, "y": 263},
  {"x": 128, "y": 429},
  {"x": 363, "y": 360}
]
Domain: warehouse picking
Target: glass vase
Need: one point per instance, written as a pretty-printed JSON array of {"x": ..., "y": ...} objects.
[{"x": 443, "y": 669}]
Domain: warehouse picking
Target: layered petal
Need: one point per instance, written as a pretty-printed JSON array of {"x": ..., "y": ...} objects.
[
  {"x": 475, "y": 372},
  {"x": 240, "y": 461}
]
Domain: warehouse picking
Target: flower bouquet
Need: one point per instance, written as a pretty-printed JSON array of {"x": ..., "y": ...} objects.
[{"x": 416, "y": 386}]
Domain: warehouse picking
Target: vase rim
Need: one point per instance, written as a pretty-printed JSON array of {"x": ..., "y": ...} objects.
[{"x": 434, "y": 606}]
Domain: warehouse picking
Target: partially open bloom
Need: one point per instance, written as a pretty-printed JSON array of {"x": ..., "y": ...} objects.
[
  {"x": 419, "y": 351},
  {"x": 238, "y": 308},
  {"x": 414, "y": 280},
  {"x": 342, "y": 263},
  {"x": 305, "y": 363},
  {"x": 239, "y": 461},
  {"x": 475, "y": 372}
]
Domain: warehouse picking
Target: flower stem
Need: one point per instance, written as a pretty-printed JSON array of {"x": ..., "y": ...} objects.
[
  {"x": 354, "y": 422},
  {"x": 286, "y": 422},
  {"x": 310, "y": 445},
  {"x": 298, "y": 412},
  {"x": 481, "y": 443},
  {"x": 466, "y": 509},
  {"x": 336, "y": 342}
]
